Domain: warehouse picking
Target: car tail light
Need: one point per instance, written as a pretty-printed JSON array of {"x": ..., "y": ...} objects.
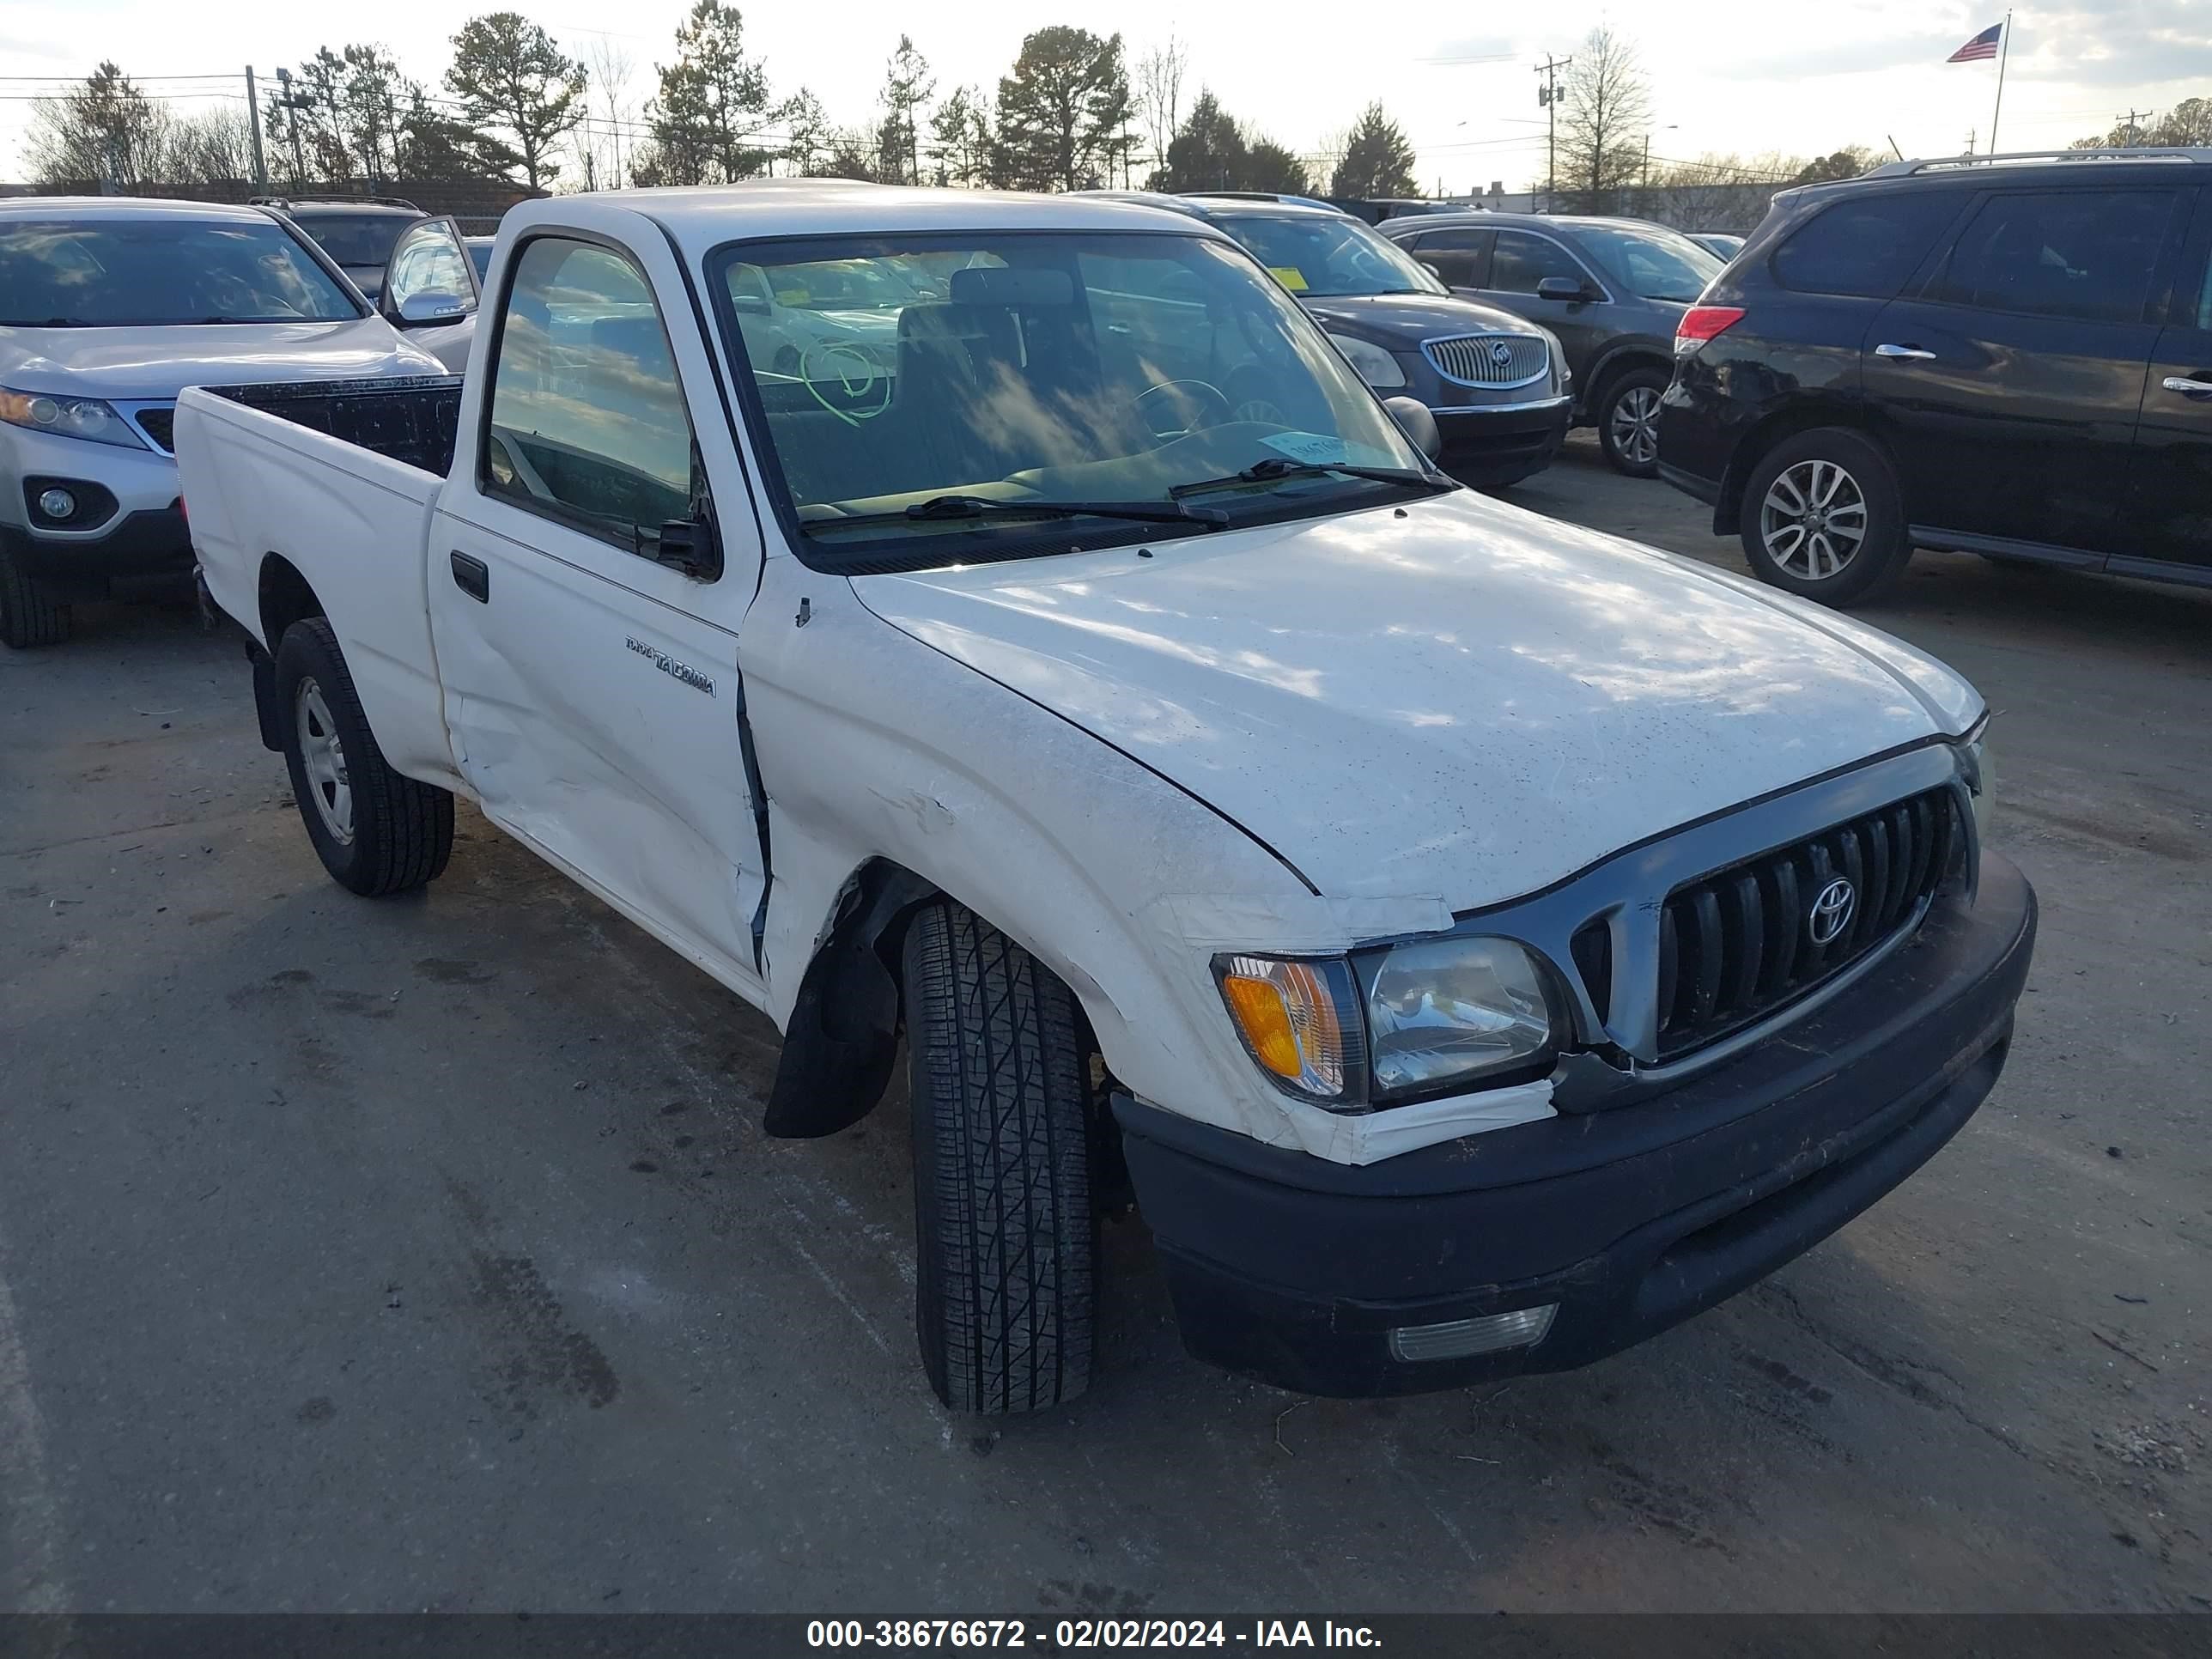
[{"x": 1702, "y": 323}]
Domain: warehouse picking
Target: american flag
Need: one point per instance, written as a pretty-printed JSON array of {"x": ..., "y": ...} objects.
[{"x": 1983, "y": 45}]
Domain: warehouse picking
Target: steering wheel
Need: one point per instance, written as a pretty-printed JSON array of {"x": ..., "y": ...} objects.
[{"x": 1195, "y": 393}]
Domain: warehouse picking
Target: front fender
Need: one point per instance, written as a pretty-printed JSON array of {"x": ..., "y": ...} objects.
[{"x": 877, "y": 748}]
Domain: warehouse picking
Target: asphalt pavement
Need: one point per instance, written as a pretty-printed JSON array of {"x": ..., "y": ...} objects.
[{"x": 426, "y": 1253}]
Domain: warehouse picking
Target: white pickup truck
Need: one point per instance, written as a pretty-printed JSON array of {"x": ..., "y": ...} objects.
[{"x": 1474, "y": 944}]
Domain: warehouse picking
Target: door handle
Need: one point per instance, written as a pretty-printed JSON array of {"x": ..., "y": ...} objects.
[
  {"x": 1912, "y": 353},
  {"x": 2188, "y": 387},
  {"x": 473, "y": 577}
]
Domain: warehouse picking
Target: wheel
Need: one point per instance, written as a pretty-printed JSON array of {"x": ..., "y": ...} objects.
[
  {"x": 1628, "y": 421},
  {"x": 1823, "y": 518},
  {"x": 29, "y": 617},
  {"x": 1003, "y": 1224},
  {"x": 376, "y": 831}
]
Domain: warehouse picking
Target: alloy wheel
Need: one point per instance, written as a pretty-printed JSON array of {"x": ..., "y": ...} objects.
[
  {"x": 1814, "y": 519},
  {"x": 1635, "y": 425}
]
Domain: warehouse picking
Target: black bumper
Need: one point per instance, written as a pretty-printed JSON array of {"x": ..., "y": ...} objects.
[
  {"x": 153, "y": 543},
  {"x": 1295, "y": 1270},
  {"x": 1487, "y": 447}
]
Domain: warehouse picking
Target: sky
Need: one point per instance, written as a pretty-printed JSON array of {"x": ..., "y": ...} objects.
[{"x": 1745, "y": 76}]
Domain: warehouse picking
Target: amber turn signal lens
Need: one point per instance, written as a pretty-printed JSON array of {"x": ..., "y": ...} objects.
[{"x": 1265, "y": 1019}]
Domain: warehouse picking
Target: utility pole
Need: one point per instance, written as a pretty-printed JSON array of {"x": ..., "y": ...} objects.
[
  {"x": 1547, "y": 98},
  {"x": 2128, "y": 121},
  {"x": 253, "y": 114},
  {"x": 1970, "y": 136},
  {"x": 290, "y": 105}
]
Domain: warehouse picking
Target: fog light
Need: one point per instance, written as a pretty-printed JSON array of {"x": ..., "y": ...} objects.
[
  {"x": 58, "y": 504},
  {"x": 1458, "y": 1338}
]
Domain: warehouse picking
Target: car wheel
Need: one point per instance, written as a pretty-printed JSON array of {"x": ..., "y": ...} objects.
[
  {"x": 1003, "y": 1227},
  {"x": 1823, "y": 518},
  {"x": 1628, "y": 421},
  {"x": 29, "y": 617},
  {"x": 376, "y": 831}
]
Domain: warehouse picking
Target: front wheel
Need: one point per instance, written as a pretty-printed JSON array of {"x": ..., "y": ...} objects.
[
  {"x": 1003, "y": 1227},
  {"x": 1628, "y": 421},
  {"x": 376, "y": 831},
  {"x": 1823, "y": 518},
  {"x": 29, "y": 616}
]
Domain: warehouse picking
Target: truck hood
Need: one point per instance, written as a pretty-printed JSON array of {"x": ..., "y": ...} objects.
[
  {"x": 1406, "y": 317},
  {"x": 160, "y": 362},
  {"x": 1468, "y": 702}
]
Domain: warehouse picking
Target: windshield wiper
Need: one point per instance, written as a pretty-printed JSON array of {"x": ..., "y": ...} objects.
[
  {"x": 1276, "y": 467},
  {"x": 941, "y": 509}
]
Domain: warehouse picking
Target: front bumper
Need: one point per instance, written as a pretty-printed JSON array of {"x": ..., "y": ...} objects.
[
  {"x": 1296, "y": 1270},
  {"x": 1499, "y": 443},
  {"x": 143, "y": 536}
]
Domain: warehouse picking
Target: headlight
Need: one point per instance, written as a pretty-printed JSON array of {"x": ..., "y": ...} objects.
[
  {"x": 1981, "y": 778},
  {"x": 67, "y": 417},
  {"x": 1451, "y": 1010},
  {"x": 1376, "y": 367},
  {"x": 1415, "y": 1019}
]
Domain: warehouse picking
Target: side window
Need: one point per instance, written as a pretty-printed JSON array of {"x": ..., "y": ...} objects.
[
  {"x": 429, "y": 261},
  {"x": 2086, "y": 255},
  {"x": 1866, "y": 248},
  {"x": 1461, "y": 258},
  {"x": 588, "y": 424},
  {"x": 1523, "y": 261}
]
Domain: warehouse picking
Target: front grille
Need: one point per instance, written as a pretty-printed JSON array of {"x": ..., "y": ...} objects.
[
  {"x": 161, "y": 426},
  {"x": 1490, "y": 360},
  {"x": 1737, "y": 945}
]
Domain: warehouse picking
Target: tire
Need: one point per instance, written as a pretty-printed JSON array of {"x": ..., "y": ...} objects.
[
  {"x": 1846, "y": 476},
  {"x": 29, "y": 617},
  {"x": 1628, "y": 421},
  {"x": 376, "y": 831},
  {"x": 1004, "y": 1231}
]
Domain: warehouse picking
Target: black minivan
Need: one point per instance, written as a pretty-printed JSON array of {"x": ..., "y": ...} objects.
[{"x": 2009, "y": 356}]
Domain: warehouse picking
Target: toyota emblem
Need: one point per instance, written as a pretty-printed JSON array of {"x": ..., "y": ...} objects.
[
  {"x": 1832, "y": 912},
  {"x": 1500, "y": 353}
]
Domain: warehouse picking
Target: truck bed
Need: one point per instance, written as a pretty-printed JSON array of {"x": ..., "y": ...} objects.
[
  {"x": 412, "y": 421},
  {"x": 331, "y": 484}
]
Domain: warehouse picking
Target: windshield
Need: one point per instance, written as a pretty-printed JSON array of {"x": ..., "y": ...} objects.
[
  {"x": 80, "y": 273},
  {"x": 479, "y": 249},
  {"x": 1655, "y": 263},
  {"x": 1113, "y": 368},
  {"x": 354, "y": 238},
  {"x": 1334, "y": 257}
]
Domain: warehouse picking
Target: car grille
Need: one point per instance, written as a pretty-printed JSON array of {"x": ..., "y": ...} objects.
[
  {"x": 1737, "y": 944},
  {"x": 1490, "y": 360},
  {"x": 159, "y": 425}
]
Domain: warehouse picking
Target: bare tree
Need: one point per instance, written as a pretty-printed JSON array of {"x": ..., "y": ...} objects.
[
  {"x": 1607, "y": 121},
  {"x": 1159, "y": 94},
  {"x": 105, "y": 131},
  {"x": 603, "y": 144}
]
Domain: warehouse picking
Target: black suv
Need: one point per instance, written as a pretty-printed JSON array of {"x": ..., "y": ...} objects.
[{"x": 2009, "y": 356}]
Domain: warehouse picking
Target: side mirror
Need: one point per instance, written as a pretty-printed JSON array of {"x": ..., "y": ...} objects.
[
  {"x": 1415, "y": 420},
  {"x": 749, "y": 305},
  {"x": 689, "y": 545},
  {"x": 1566, "y": 289},
  {"x": 1434, "y": 269},
  {"x": 431, "y": 305}
]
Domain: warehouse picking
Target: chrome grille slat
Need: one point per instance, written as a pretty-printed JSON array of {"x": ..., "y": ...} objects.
[
  {"x": 1474, "y": 359},
  {"x": 1735, "y": 946}
]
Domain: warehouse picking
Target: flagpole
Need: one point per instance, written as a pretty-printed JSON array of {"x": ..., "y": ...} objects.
[{"x": 2004, "y": 50}]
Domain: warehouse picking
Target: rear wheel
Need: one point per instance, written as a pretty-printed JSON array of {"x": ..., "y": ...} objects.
[
  {"x": 1003, "y": 1224},
  {"x": 376, "y": 831},
  {"x": 29, "y": 616},
  {"x": 1628, "y": 421},
  {"x": 1823, "y": 518}
]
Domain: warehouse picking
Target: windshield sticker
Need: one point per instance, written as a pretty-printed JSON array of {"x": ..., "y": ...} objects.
[
  {"x": 791, "y": 296},
  {"x": 1315, "y": 448},
  {"x": 1290, "y": 277}
]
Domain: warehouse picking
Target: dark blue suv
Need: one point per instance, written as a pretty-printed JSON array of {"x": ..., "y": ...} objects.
[{"x": 2009, "y": 356}]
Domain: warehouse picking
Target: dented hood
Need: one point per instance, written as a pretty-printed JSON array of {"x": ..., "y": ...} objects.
[{"x": 1468, "y": 701}]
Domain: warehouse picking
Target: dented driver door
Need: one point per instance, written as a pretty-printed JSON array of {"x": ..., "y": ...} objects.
[{"x": 590, "y": 668}]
